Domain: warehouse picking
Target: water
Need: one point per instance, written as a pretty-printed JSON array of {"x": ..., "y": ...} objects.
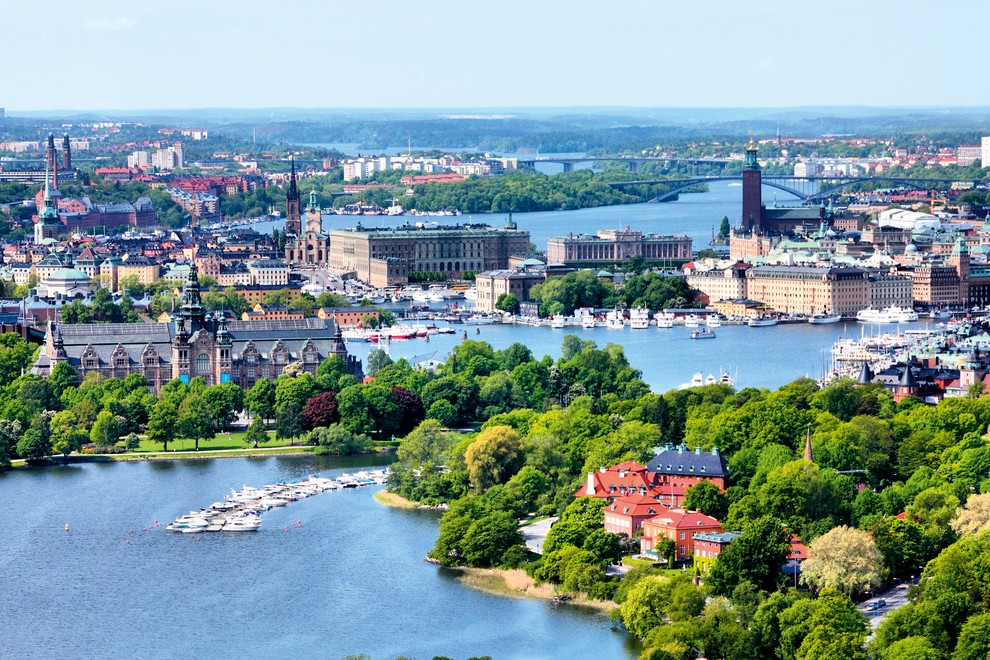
[
  {"x": 757, "y": 357},
  {"x": 350, "y": 580},
  {"x": 697, "y": 215}
]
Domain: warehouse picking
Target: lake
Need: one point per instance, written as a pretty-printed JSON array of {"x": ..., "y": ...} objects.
[{"x": 351, "y": 579}]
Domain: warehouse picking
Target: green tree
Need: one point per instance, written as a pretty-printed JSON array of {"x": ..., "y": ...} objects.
[
  {"x": 494, "y": 456},
  {"x": 706, "y": 497},
  {"x": 974, "y": 639},
  {"x": 260, "y": 399},
  {"x": 225, "y": 401},
  {"x": 256, "y": 433},
  {"x": 845, "y": 559},
  {"x": 33, "y": 445},
  {"x": 756, "y": 556},
  {"x": 377, "y": 360},
  {"x": 508, "y": 302},
  {"x": 195, "y": 419},
  {"x": 162, "y": 422},
  {"x": 107, "y": 429},
  {"x": 66, "y": 436},
  {"x": 289, "y": 421}
]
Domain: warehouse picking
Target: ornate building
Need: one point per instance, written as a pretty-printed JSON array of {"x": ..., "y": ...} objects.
[
  {"x": 613, "y": 246},
  {"x": 199, "y": 344},
  {"x": 313, "y": 246}
]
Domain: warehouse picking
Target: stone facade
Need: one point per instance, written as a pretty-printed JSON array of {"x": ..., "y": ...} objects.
[{"x": 612, "y": 246}]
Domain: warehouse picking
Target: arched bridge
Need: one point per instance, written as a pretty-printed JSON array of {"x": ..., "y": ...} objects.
[
  {"x": 826, "y": 186},
  {"x": 632, "y": 161}
]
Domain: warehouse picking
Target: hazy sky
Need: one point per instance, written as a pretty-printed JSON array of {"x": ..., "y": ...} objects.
[{"x": 125, "y": 54}]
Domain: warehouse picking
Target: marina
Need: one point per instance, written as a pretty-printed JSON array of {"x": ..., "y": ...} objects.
[{"x": 241, "y": 510}]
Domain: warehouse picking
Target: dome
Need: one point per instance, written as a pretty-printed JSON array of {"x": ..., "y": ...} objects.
[
  {"x": 911, "y": 247},
  {"x": 68, "y": 275}
]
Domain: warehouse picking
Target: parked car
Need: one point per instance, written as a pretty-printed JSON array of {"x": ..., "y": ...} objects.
[{"x": 876, "y": 605}]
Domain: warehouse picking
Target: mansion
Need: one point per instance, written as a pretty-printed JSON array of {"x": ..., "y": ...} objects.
[{"x": 198, "y": 344}]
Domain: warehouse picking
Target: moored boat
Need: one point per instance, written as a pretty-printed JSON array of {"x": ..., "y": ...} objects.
[
  {"x": 893, "y": 314},
  {"x": 702, "y": 333},
  {"x": 822, "y": 319},
  {"x": 639, "y": 318},
  {"x": 761, "y": 321}
]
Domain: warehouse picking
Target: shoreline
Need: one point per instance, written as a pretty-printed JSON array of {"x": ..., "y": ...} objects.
[
  {"x": 516, "y": 583},
  {"x": 388, "y": 498}
]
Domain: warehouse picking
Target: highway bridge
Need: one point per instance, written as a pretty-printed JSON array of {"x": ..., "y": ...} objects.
[{"x": 568, "y": 162}]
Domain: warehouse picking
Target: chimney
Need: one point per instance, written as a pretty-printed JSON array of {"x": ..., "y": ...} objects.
[
  {"x": 590, "y": 490},
  {"x": 714, "y": 451},
  {"x": 697, "y": 451}
]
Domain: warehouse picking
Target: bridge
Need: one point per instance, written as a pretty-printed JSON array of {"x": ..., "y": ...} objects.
[
  {"x": 633, "y": 162},
  {"x": 793, "y": 184}
]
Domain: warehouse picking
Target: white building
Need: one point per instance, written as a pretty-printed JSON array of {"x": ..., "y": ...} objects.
[{"x": 138, "y": 159}]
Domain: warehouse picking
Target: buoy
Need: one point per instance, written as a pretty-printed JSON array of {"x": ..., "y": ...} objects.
[
  {"x": 132, "y": 531},
  {"x": 286, "y": 529},
  {"x": 66, "y": 527},
  {"x": 127, "y": 542}
]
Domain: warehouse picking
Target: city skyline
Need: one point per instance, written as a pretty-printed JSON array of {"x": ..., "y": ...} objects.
[{"x": 111, "y": 54}]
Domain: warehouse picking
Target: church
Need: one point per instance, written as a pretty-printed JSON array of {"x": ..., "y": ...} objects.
[
  {"x": 199, "y": 344},
  {"x": 312, "y": 246}
]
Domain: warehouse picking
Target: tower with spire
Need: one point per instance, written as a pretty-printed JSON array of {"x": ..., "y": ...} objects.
[
  {"x": 49, "y": 223},
  {"x": 314, "y": 217},
  {"x": 293, "y": 224},
  {"x": 192, "y": 311},
  {"x": 51, "y": 160},
  {"x": 752, "y": 192}
]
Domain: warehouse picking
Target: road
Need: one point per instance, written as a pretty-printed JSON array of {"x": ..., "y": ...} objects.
[
  {"x": 895, "y": 597},
  {"x": 536, "y": 533}
]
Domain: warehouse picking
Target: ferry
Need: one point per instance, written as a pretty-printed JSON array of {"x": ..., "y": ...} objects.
[
  {"x": 557, "y": 322},
  {"x": 588, "y": 321},
  {"x": 822, "y": 319},
  {"x": 713, "y": 321},
  {"x": 692, "y": 321},
  {"x": 639, "y": 318},
  {"x": 891, "y": 314},
  {"x": 664, "y": 320},
  {"x": 614, "y": 320},
  {"x": 702, "y": 333},
  {"x": 761, "y": 321}
]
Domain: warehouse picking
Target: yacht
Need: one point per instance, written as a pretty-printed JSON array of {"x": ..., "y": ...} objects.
[
  {"x": 702, "y": 333},
  {"x": 761, "y": 321},
  {"x": 478, "y": 319},
  {"x": 639, "y": 318},
  {"x": 696, "y": 381},
  {"x": 471, "y": 294},
  {"x": 892, "y": 314},
  {"x": 822, "y": 319},
  {"x": 557, "y": 322},
  {"x": 614, "y": 320},
  {"x": 242, "y": 524},
  {"x": 940, "y": 314}
]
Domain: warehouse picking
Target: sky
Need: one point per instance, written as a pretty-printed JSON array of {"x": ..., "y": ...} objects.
[{"x": 127, "y": 54}]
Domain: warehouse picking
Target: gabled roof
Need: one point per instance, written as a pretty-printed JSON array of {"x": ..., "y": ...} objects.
[
  {"x": 683, "y": 461},
  {"x": 635, "y": 505},
  {"x": 683, "y": 519}
]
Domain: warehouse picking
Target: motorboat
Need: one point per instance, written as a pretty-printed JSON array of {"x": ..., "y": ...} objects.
[
  {"x": 445, "y": 330},
  {"x": 893, "y": 314},
  {"x": 588, "y": 321},
  {"x": 242, "y": 524},
  {"x": 702, "y": 333},
  {"x": 614, "y": 320},
  {"x": 639, "y": 318},
  {"x": 478, "y": 319},
  {"x": 696, "y": 381},
  {"x": 822, "y": 319},
  {"x": 761, "y": 321},
  {"x": 940, "y": 314}
]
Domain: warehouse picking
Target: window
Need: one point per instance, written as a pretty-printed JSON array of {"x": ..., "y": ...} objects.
[
  {"x": 202, "y": 363},
  {"x": 682, "y": 538}
]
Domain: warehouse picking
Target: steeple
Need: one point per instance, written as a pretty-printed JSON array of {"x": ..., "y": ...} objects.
[
  {"x": 51, "y": 160},
  {"x": 865, "y": 374},
  {"x": 807, "y": 445},
  {"x": 751, "y": 162},
  {"x": 292, "y": 202},
  {"x": 223, "y": 335},
  {"x": 192, "y": 306}
]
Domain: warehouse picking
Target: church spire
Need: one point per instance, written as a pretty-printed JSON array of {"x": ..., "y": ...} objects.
[
  {"x": 192, "y": 306},
  {"x": 807, "y": 445}
]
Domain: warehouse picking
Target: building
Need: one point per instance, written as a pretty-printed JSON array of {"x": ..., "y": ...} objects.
[
  {"x": 626, "y": 515},
  {"x": 268, "y": 272},
  {"x": 680, "y": 526},
  {"x": 198, "y": 344},
  {"x": 985, "y": 151},
  {"x": 612, "y": 246},
  {"x": 967, "y": 154},
  {"x": 626, "y": 479},
  {"x": 728, "y": 283},
  {"x": 708, "y": 546},
  {"x": 349, "y": 317},
  {"x": 262, "y": 313},
  {"x": 387, "y": 256},
  {"x": 491, "y": 286},
  {"x": 293, "y": 225},
  {"x": 675, "y": 469},
  {"x": 313, "y": 245},
  {"x": 169, "y": 158}
]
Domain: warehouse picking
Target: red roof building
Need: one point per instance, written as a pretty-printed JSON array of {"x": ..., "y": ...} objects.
[
  {"x": 624, "y": 479},
  {"x": 626, "y": 515},
  {"x": 680, "y": 526}
]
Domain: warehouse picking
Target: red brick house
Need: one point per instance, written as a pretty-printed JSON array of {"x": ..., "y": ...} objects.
[
  {"x": 626, "y": 515},
  {"x": 680, "y": 526},
  {"x": 624, "y": 479}
]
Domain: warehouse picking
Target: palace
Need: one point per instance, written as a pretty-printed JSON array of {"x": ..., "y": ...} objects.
[
  {"x": 612, "y": 246},
  {"x": 198, "y": 344}
]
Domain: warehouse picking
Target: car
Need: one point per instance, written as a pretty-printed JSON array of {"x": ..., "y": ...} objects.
[{"x": 876, "y": 605}]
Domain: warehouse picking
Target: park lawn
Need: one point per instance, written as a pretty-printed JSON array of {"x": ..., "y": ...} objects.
[{"x": 219, "y": 441}]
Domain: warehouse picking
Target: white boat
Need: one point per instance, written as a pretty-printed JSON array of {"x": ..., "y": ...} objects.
[
  {"x": 639, "y": 318},
  {"x": 588, "y": 321},
  {"x": 713, "y": 321},
  {"x": 692, "y": 321},
  {"x": 761, "y": 321},
  {"x": 822, "y": 319},
  {"x": 557, "y": 322},
  {"x": 478, "y": 319},
  {"x": 891, "y": 314},
  {"x": 242, "y": 524},
  {"x": 702, "y": 333},
  {"x": 471, "y": 294},
  {"x": 445, "y": 330},
  {"x": 940, "y": 314},
  {"x": 614, "y": 320},
  {"x": 664, "y": 320},
  {"x": 696, "y": 381}
]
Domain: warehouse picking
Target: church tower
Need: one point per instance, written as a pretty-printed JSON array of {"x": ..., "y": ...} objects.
[
  {"x": 51, "y": 161},
  {"x": 66, "y": 153},
  {"x": 49, "y": 223},
  {"x": 960, "y": 260},
  {"x": 223, "y": 360},
  {"x": 293, "y": 225},
  {"x": 314, "y": 217},
  {"x": 752, "y": 193}
]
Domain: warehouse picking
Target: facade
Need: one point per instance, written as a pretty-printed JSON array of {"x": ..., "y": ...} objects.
[
  {"x": 198, "y": 344},
  {"x": 719, "y": 283},
  {"x": 708, "y": 546},
  {"x": 386, "y": 256},
  {"x": 985, "y": 151},
  {"x": 680, "y": 526},
  {"x": 313, "y": 245},
  {"x": 626, "y": 515},
  {"x": 611, "y": 246},
  {"x": 268, "y": 272},
  {"x": 808, "y": 290},
  {"x": 348, "y": 317},
  {"x": 676, "y": 469},
  {"x": 492, "y": 285}
]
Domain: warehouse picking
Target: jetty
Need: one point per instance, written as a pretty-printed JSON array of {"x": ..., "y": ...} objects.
[{"x": 241, "y": 510}]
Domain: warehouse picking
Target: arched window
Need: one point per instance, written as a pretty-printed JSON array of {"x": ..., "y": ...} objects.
[{"x": 202, "y": 364}]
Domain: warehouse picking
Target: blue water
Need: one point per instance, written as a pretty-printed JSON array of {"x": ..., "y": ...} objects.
[{"x": 350, "y": 580}]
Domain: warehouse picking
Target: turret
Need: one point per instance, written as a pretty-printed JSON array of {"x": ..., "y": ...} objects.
[
  {"x": 192, "y": 309},
  {"x": 66, "y": 153}
]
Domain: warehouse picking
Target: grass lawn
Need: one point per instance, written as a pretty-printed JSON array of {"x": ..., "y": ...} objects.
[{"x": 219, "y": 441}]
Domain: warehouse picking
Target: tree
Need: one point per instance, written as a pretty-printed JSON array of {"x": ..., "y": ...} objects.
[
  {"x": 912, "y": 648},
  {"x": 335, "y": 439},
  {"x": 161, "y": 422},
  {"x": 33, "y": 445},
  {"x": 494, "y": 456},
  {"x": 256, "y": 432},
  {"x": 107, "y": 429},
  {"x": 756, "y": 556},
  {"x": 645, "y": 604},
  {"x": 321, "y": 410},
  {"x": 195, "y": 419},
  {"x": 377, "y": 360},
  {"x": 10, "y": 432},
  {"x": 289, "y": 420},
  {"x": 66, "y": 436},
  {"x": 508, "y": 302},
  {"x": 355, "y": 413},
  {"x": 974, "y": 639},
  {"x": 974, "y": 517},
  {"x": 225, "y": 401},
  {"x": 62, "y": 376},
  {"x": 260, "y": 398},
  {"x": 411, "y": 411},
  {"x": 903, "y": 546},
  {"x": 724, "y": 228},
  {"x": 489, "y": 538},
  {"x": 845, "y": 558},
  {"x": 706, "y": 497}
]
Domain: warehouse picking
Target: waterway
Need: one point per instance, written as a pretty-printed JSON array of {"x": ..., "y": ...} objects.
[{"x": 351, "y": 579}]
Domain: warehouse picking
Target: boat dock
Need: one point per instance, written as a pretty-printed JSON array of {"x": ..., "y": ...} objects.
[{"x": 241, "y": 510}]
